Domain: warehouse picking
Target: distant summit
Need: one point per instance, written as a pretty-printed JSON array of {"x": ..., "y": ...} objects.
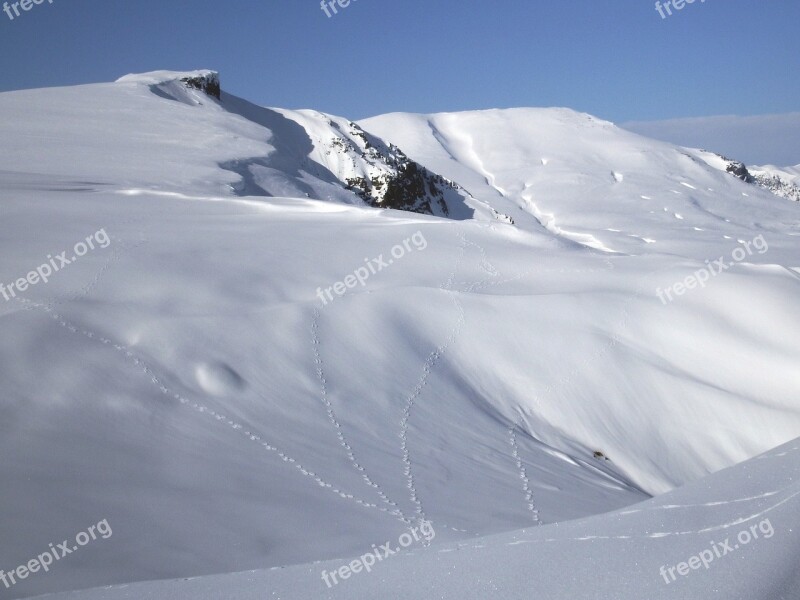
[{"x": 315, "y": 155}]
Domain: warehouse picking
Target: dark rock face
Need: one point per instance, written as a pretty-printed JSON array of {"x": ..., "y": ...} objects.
[
  {"x": 401, "y": 184},
  {"x": 412, "y": 188},
  {"x": 772, "y": 183},
  {"x": 739, "y": 169},
  {"x": 205, "y": 83},
  {"x": 412, "y": 184}
]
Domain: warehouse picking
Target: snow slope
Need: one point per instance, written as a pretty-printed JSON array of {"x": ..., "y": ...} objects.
[
  {"x": 741, "y": 525},
  {"x": 780, "y": 182},
  {"x": 783, "y": 181},
  {"x": 187, "y": 384},
  {"x": 586, "y": 180},
  {"x": 218, "y": 146},
  {"x": 791, "y": 174}
]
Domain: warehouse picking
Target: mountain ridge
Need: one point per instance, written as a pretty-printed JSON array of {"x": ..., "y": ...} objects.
[{"x": 510, "y": 367}]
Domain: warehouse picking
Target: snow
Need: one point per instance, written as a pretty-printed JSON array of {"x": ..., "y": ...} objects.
[
  {"x": 161, "y": 77},
  {"x": 187, "y": 384},
  {"x": 790, "y": 174},
  {"x": 618, "y": 555}
]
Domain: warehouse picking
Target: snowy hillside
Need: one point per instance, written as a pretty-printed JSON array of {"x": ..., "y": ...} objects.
[
  {"x": 545, "y": 167},
  {"x": 781, "y": 182},
  {"x": 220, "y": 145},
  {"x": 732, "y": 535},
  {"x": 790, "y": 174},
  {"x": 243, "y": 364}
]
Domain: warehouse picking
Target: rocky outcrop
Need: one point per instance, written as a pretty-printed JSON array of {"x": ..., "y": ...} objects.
[
  {"x": 208, "y": 83},
  {"x": 317, "y": 156},
  {"x": 769, "y": 181},
  {"x": 410, "y": 187},
  {"x": 394, "y": 180},
  {"x": 778, "y": 186},
  {"x": 739, "y": 169}
]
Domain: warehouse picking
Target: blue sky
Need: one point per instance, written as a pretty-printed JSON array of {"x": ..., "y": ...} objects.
[{"x": 617, "y": 59}]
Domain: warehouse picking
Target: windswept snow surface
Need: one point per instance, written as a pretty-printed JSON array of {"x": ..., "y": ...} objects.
[
  {"x": 586, "y": 180},
  {"x": 188, "y": 384},
  {"x": 791, "y": 174},
  {"x": 737, "y": 528}
]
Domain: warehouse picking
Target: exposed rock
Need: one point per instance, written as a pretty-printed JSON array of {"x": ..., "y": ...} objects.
[
  {"x": 766, "y": 180},
  {"x": 778, "y": 186},
  {"x": 739, "y": 169},
  {"x": 208, "y": 83},
  {"x": 395, "y": 181}
]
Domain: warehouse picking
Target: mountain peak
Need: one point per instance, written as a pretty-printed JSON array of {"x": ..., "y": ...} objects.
[{"x": 204, "y": 80}]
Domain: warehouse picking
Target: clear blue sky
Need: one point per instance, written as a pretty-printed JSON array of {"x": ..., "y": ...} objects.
[{"x": 617, "y": 59}]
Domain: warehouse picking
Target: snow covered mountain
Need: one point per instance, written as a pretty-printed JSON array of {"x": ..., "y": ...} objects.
[
  {"x": 312, "y": 155},
  {"x": 532, "y": 164},
  {"x": 266, "y": 365},
  {"x": 781, "y": 182}
]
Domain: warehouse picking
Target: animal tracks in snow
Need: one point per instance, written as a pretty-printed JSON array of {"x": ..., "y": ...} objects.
[
  {"x": 523, "y": 475},
  {"x": 334, "y": 421}
]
